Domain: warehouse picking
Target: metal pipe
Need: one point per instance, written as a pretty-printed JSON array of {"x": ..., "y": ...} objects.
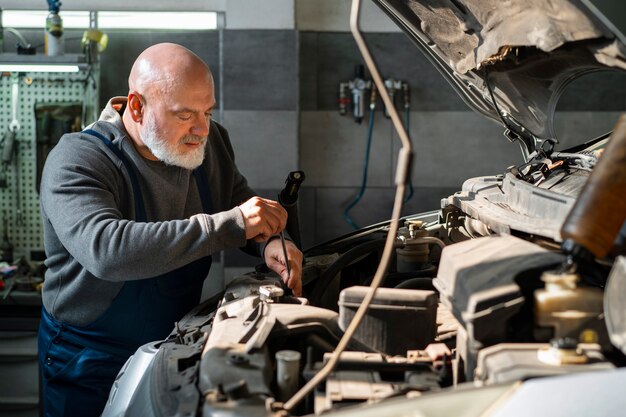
[
  {"x": 404, "y": 163},
  {"x": 421, "y": 240}
]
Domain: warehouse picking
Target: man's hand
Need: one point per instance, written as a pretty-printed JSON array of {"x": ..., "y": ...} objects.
[
  {"x": 263, "y": 218},
  {"x": 275, "y": 260}
]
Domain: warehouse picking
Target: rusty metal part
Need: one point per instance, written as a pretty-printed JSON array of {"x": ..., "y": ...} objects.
[{"x": 502, "y": 54}]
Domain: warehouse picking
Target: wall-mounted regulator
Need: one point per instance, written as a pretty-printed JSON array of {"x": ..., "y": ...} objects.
[
  {"x": 395, "y": 86},
  {"x": 354, "y": 94},
  {"x": 358, "y": 88}
]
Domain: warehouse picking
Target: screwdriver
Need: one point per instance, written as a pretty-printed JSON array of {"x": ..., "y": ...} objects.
[{"x": 282, "y": 241}]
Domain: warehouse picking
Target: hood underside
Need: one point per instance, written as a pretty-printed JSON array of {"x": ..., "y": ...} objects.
[{"x": 519, "y": 54}]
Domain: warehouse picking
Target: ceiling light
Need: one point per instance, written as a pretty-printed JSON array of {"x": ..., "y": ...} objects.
[
  {"x": 18, "y": 67},
  {"x": 114, "y": 20},
  {"x": 37, "y": 19},
  {"x": 157, "y": 20},
  {"x": 11, "y": 62}
]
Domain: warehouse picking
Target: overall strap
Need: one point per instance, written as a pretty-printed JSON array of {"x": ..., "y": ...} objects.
[
  {"x": 202, "y": 183},
  {"x": 139, "y": 205}
]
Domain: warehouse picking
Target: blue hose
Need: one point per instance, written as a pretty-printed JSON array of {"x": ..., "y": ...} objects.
[{"x": 356, "y": 199}]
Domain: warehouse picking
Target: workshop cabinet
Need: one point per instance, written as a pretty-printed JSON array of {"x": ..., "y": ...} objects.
[
  {"x": 19, "y": 374},
  {"x": 20, "y": 312}
]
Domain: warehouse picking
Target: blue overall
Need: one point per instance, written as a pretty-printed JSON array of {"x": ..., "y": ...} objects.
[{"x": 79, "y": 363}]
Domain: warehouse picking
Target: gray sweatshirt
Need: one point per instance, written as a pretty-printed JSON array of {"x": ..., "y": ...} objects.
[{"x": 91, "y": 240}]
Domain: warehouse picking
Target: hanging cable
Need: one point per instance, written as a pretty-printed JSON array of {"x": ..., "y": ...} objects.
[
  {"x": 525, "y": 146},
  {"x": 407, "y": 113},
  {"x": 368, "y": 147},
  {"x": 22, "y": 40},
  {"x": 493, "y": 100}
]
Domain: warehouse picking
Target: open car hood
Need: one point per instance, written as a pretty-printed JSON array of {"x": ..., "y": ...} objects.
[{"x": 520, "y": 53}]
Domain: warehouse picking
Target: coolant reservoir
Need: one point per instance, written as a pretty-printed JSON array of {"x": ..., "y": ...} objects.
[
  {"x": 569, "y": 310},
  {"x": 412, "y": 255}
]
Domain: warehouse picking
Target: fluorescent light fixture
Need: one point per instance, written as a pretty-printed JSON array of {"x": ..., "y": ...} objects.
[
  {"x": 157, "y": 20},
  {"x": 114, "y": 20},
  {"x": 39, "y": 68},
  {"x": 37, "y": 19}
]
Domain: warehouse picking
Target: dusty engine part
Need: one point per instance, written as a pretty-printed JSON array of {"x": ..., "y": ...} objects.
[
  {"x": 349, "y": 386},
  {"x": 482, "y": 281},
  {"x": 509, "y": 362},
  {"x": 398, "y": 320},
  {"x": 237, "y": 348},
  {"x": 563, "y": 309},
  {"x": 412, "y": 254},
  {"x": 370, "y": 377}
]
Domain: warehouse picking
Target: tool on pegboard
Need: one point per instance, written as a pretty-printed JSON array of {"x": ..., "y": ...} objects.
[
  {"x": 9, "y": 138},
  {"x": 9, "y": 147}
]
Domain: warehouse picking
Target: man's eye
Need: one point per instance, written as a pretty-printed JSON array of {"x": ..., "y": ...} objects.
[{"x": 184, "y": 116}]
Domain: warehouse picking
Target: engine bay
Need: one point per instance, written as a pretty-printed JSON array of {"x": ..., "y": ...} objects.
[{"x": 462, "y": 303}]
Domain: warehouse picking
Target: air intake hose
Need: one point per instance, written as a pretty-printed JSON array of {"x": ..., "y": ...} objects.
[{"x": 599, "y": 213}]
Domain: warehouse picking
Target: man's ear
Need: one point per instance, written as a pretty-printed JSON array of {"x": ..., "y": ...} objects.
[{"x": 135, "y": 106}]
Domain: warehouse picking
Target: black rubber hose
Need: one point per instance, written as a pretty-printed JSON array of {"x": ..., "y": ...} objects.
[
  {"x": 330, "y": 274},
  {"x": 417, "y": 284},
  {"x": 395, "y": 278}
]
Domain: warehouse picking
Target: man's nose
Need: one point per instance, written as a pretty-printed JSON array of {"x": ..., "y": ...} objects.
[{"x": 201, "y": 126}]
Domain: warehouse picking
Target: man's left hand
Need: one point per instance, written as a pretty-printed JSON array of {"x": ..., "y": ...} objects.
[{"x": 275, "y": 260}]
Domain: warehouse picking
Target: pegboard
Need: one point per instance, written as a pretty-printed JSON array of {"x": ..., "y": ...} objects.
[{"x": 19, "y": 200}]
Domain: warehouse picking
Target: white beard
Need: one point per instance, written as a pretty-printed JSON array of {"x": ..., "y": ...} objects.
[{"x": 167, "y": 152}]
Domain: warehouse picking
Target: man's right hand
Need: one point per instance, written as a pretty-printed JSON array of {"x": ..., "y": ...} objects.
[{"x": 263, "y": 218}]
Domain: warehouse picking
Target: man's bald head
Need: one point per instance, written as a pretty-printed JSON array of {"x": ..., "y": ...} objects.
[
  {"x": 170, "y": 99},
  {"x": 165, "y": 66}
]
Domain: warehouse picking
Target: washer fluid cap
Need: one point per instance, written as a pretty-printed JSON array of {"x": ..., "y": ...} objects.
[{"x": 559, "y": 280}]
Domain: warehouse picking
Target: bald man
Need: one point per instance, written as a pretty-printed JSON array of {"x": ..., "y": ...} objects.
[{"x": 132, "y": 209}]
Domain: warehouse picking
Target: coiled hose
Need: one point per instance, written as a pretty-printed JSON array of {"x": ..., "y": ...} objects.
[{"x": 329, "y": 275}]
